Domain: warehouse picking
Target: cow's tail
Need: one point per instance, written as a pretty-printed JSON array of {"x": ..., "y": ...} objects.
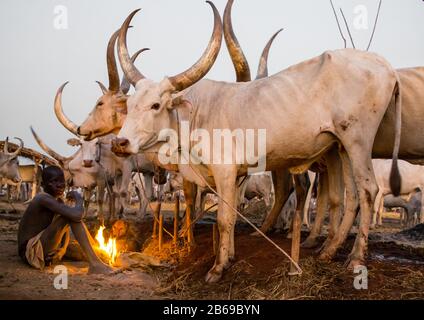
[{"x": 395, "y": 178}]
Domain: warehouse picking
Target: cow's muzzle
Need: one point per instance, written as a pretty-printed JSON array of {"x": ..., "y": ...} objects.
[
  {"x": 88, "y": 163},
  {"x": 119, "y": 147}
]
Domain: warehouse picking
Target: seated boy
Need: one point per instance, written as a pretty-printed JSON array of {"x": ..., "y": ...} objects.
[{"x": 43, "y": 233}]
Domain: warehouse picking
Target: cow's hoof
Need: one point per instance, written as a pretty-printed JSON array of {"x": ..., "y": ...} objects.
[
  {"x": 309, "y": 243},
  {"x": 213, "y": 276},
  {"x": 325, "y": 257},
  {"x": 353, "y": 263},
  {"x": 255, "y": 234}
]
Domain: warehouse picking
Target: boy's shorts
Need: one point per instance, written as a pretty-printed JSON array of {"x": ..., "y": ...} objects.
[{"x": 34, "y": 253}]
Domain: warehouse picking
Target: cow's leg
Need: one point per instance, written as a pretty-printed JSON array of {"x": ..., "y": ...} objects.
[
  {"x": 335, "y": 191},
  {"x": 301, "y": 186},
  {"x": 226, "y": 187},
  {"x": 282, "y": 185},
  {"x": 367, "y": 187},
  {"x": 242, "y": 192},
  {"x": 409, "y": 214},
  {"x": 190, "y": 191},
  {"x": 112, "y": 207},
  {"x": 86, "y": 197},
  {"x": 144, "y": 190},
  {"x": 380, "y": 211},
  {"x": 202, "y": 201},
  {"x": 143, "y": 201},
  {"x": 377, "y": 206},
  {"x": 351, "y": 207},
  {"x": 100, "y": 200},
  {"x": 123, "y": 183},
  {"x": 148, "y": 186},
  {"x": 306, "y": 215},
  {"x": 322, "y": 203}
]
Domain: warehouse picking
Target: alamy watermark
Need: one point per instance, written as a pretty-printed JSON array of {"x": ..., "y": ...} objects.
[
  {"x": 60, "y": 17},
  {"x": 360, "y": 281},
  {"x": 60, "y": 282},
  {"x": 222, "y": 146},
  {"x": 360, "y": 22}
]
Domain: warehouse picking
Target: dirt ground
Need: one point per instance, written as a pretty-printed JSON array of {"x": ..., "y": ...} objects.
[{"x": 395, "y": 269}]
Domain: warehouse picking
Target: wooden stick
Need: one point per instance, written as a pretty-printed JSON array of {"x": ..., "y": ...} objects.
[
  {"x": 160, "y": 231},
  {"x": 295, "y": 248},
  {"x": 189, "y": 226},
  {"x": 156, "y": 210},
  {"x": 176, "y": 218}
]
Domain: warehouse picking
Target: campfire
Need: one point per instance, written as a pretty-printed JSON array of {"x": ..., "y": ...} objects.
[{"x": 108, "y": 248}]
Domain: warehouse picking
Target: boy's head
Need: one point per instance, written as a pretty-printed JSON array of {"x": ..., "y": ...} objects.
[{"x": 53, "y": 181}]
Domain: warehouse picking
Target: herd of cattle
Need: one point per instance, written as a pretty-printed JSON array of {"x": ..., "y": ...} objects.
[{"x": 326, "y": 119}]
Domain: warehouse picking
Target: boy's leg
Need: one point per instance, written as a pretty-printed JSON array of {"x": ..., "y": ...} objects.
[
  {"x": 52, "y": 237},
  {"x": 83, "y": 237}
]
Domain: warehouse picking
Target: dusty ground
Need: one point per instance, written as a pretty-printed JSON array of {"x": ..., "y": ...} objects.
[{"x": 396, "y": 270}]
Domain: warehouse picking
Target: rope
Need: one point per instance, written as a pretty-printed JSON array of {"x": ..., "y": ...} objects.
[{"x": 299, "y": 270}]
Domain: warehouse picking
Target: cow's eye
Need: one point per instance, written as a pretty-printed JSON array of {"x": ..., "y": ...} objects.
[
  {"x": 156, "y": 106},
  {"x": 100, "y": 104}
]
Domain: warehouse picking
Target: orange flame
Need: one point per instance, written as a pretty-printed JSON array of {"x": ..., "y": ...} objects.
[{"x": 108, "y": 248}]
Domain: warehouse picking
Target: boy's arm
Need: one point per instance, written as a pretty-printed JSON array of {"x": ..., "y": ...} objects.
[{"x": 74, "y": 214}]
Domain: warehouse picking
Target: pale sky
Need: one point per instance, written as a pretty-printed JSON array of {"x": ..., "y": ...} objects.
[{"x": 36, "y": 58}]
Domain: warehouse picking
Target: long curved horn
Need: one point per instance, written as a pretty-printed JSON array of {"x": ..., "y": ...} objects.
[
  {"x": 125, "y": 84},
  {"x": 63, "y": 119},
  {"x": 6, "y": 146},
  {"x": 112, "y": 69},
  {"x": 130, "y": 71},
  {"x": 263, "y": 63},
  {"x": 206, "y": 61},
  {"x": 241, "y": 65},
  {"x": 102, "y": 87},
  {"x": 49, "y": 151},
  {"x": 18, "y": 151}
]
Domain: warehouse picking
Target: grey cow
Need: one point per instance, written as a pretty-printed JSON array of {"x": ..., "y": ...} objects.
[{"x": 9, "y": 164}]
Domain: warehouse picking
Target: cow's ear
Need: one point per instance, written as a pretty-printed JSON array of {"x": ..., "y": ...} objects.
[
  {"x": 180, "y": 102},
  {"x": 74, "y": 142}
]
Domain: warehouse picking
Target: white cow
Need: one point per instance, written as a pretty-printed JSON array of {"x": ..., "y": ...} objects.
[
  {"x": 412, "y": 179},
  {"x": 304, "y": 110}
]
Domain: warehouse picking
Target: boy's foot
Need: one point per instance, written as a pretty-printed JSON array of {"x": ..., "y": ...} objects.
[{"x": 100, "y": 269}]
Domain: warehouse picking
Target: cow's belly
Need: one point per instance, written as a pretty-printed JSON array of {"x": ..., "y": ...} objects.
[{"x": 298, "y": 154}]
